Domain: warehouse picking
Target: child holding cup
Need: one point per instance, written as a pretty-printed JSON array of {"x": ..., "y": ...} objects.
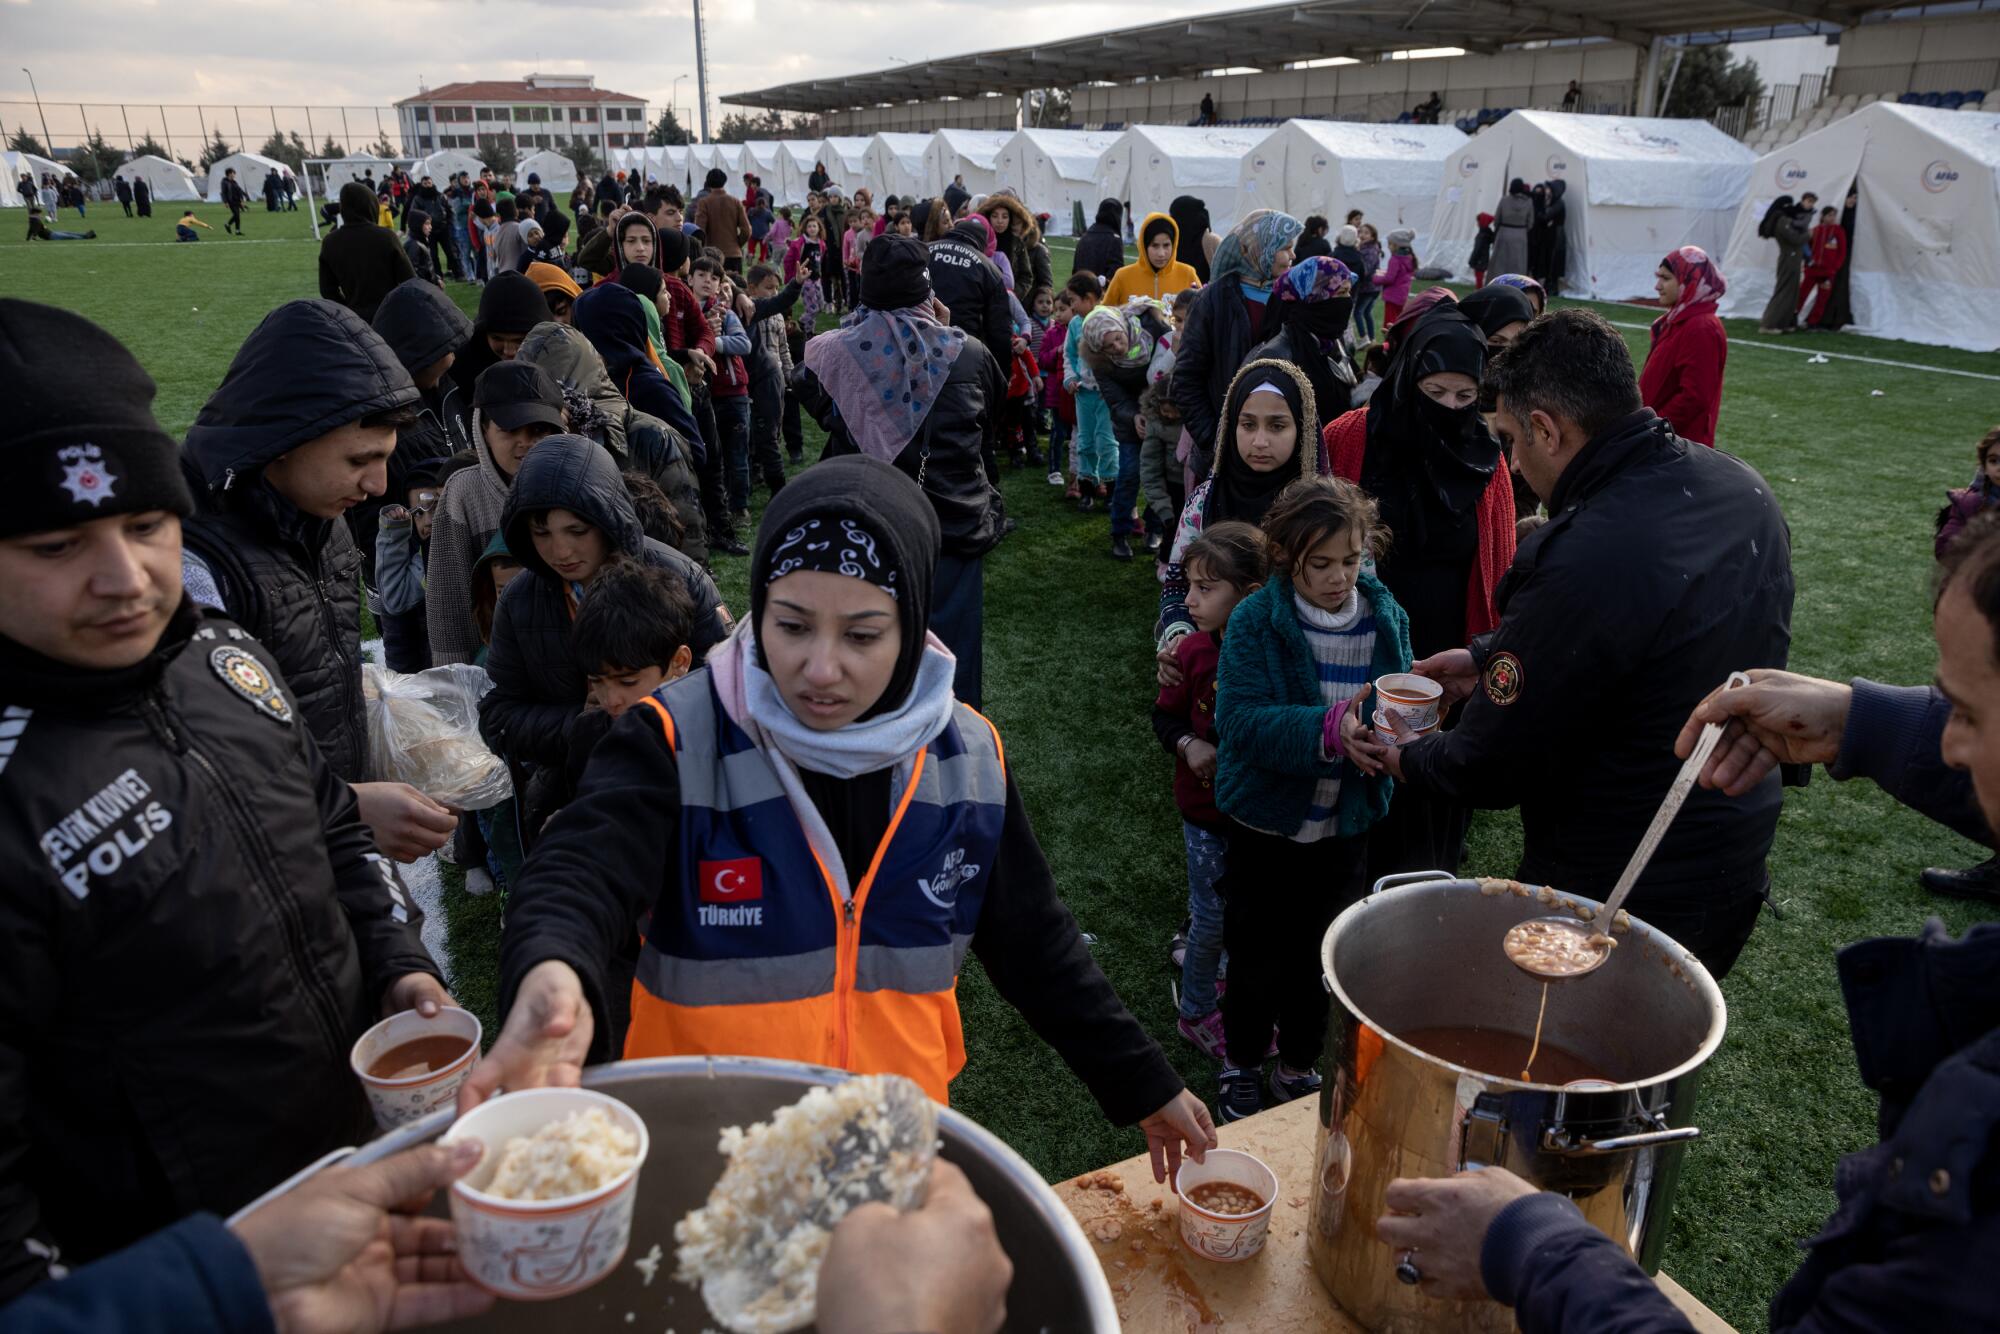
[{"x": 1294, "y": 682}]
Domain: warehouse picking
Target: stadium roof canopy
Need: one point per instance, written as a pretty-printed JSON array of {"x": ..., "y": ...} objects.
[{"x": 1271, "y": 36}]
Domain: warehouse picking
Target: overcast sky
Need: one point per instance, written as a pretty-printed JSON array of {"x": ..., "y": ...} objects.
[{"x": 373, "y": 52}]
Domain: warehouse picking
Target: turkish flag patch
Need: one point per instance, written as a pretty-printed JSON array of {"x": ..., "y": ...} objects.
[{"x": 737, "y": 881}]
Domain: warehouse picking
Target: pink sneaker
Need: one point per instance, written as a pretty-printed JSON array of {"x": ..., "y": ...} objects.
[{"x": 1205, "y": 1033}]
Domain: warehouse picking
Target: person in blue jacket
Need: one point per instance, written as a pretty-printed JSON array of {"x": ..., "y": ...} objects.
[{"x": 1910, "y": 1245}]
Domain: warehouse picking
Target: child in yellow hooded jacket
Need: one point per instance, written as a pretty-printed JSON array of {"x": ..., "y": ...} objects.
[{"x": 1156, "y": 273}]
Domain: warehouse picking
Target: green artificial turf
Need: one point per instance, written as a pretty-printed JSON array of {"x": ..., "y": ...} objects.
[{"x": 1068, "y": 669}]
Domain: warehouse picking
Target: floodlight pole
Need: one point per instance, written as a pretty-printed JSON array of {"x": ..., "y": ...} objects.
[
  {"x": 701, "y": 71},
  {"x": 48, "y": 140}
]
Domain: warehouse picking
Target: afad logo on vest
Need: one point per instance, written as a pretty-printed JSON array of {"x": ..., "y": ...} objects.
[
  {"x": 942, "y": 888},
  {"x": 728, "y": 892}
]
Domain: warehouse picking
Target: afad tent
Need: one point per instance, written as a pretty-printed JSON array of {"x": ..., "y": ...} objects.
[
  {"x": 760, "y": 159},
  {"x": 1389, "y": 172},
  {"x": 1055, "y": 170},
  {"x": 844, "y": 157},
  {"x": 558, "y": 173},
  {"x": 673, "y": 166},
  {"x": 444, "y": 165},
  {"x": 795, "y": 166},
  {"x": 250, "y": 169},
  {"x": 894, "y": 165},
  {"x": 1925, "y": 253},
  {"x": 1638, "y": 187},
  {"x": 704, "y": 158},
  {"x": 1152, "y": 165},
  {"x": 172, "y": 182},
  {"x": 353, "y": 167},
  {"x": 31, "y": 164},
  {"x": 972, "y": 154}
]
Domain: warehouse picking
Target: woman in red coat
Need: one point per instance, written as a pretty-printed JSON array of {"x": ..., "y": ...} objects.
[{"x": 1682, "y": 381}]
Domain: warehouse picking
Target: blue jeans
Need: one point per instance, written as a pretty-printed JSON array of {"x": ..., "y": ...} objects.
[
  {"x": 1364, "y": 314},
  {"x": 1060, "y": 452},
  {"x": 732, "y": 419},
  {"x": 1206, "y": 850},
  {"x": 1125, "y": 492}
]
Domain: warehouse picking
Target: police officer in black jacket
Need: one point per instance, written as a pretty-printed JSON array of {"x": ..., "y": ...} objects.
[
  {"x": 970, "y": 285},
  {"x": 300, "y": 432},
  {"x": 195, "y": 926},
  {"x": 1664, "y": 566}
]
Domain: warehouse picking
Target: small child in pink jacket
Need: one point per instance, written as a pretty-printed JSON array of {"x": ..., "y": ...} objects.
[
  {"x": 1395, "y": 280},
  {"x": 1062, "y": 414}
]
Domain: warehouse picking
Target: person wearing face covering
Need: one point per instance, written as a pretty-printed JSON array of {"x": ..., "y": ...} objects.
[
  {"x": 815, "y": 831},
  {"x": 1304, "y": 322},
  {"x": 1423, "y": 451},
  {"x": 896, "y": 384},
  {"x": 1193, "y": 229},
  {"x": 1221, "y": 328},
  {"x": 1501, "y": 312},
  {"x": 1248, "y": 476},
  {"x": 1512, "y": 219},
  {"x": 1682, "y": 379}
]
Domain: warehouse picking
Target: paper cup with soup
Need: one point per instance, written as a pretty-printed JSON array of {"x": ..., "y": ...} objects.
[
  {"x": 548, "y": 1210},
  {"x": 1416, "y": 703},
  {"x": 1225, "y": 1204},
  {"x": 411, "y": 1066}
]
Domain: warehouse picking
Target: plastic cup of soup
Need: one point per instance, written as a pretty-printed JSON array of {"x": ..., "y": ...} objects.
[
  {"x": 1417, "y": 702},
  {"x": 535, "y": 1250},
  {"x": 411, "y": 1066},
  {"x": 1225, "y": 1204}
]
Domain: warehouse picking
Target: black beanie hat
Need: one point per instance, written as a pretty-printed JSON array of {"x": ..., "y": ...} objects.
[
  {"x": 895, "y": 273},
  {"x": 511, "y": 303},
  {"x": 80, "y": 436},
  {"x": 641, "y": 278},
  {"x": 670, "y": 249},
  {"x": 891, "y": 508}
]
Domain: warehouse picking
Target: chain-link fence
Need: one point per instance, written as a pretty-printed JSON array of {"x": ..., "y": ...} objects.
[{"x": 189, "y": 132}]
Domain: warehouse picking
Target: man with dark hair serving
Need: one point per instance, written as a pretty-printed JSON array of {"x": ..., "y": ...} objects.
[{"x": 1663, "y": 568}]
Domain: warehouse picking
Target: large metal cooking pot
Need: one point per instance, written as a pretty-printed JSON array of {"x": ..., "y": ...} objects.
[
  {"x": 1423, "y": 952},
  {"x": 686, "y": 1101}
]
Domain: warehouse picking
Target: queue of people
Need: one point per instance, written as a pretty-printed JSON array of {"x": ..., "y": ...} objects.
[{"x": 778, "y": 829}]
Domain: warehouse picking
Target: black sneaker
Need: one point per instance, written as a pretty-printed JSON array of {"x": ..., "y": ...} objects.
[
  {"x": 1120, "y": 548},
  {"x": 1086, "y": 503},
  {"x": 1285, "y": 1087},
  {"x": 1177, "y": 948},
  {"x": 1981, "y": 882},
  {"x": 1153, "y": 542},
  {"x": 1237, "y": 1094}
]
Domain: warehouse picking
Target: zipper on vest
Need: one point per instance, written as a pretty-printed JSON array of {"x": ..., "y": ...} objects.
[
  {"x": 846, "y": 963},
  {"x": 325, "y": 1008}
]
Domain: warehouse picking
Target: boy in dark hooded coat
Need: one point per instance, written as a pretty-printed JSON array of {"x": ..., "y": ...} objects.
[
  {"x": 360, "y": 261},
  {"x": 1101, "y": 249}
]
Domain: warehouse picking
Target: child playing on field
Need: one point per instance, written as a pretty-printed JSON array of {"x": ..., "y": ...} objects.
[
  {"x": 1056, "y": 397},
  {"x": 1095, "y": 446},
  {"x": 1482, "y": 249},
  {"x": 1298, "y": 771},
  {"x": 1965, "y": 505},
  {"x": 184, "y": 229},
  {"x": 1224, "y": 565},
  {"x": 780, "y": 239},
  {"x": 1828, "y": 254},
  {"x": 1396, "y": 278}
]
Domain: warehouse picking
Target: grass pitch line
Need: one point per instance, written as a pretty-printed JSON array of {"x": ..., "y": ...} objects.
[{"x": 1810, "y": 350}]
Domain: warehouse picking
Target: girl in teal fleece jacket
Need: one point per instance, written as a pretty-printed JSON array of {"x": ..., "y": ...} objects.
[{"x": 1297, "y": 771}]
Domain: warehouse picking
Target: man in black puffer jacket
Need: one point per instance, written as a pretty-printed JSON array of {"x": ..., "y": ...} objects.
[
  {"x": 360, "y": 261},
  {"x": 425, "y": 329},
  {"x": 1101, "y": 249},
  {"x": 970, "y": 286},
  {"x": 301, "y": 430},
  {"x": 538, "y": 691},
  {"x": 195, "y": 926}
]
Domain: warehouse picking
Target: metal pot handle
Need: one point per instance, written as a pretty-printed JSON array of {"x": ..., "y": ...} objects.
[
  {"x": 1554, "y": 1141},
  {"x": 1409, "y": 878},
  {"x": 288, "y": 1185}
]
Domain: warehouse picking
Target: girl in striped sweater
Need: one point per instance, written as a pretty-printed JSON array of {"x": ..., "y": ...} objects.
[{"x": 1297, "y": 771}]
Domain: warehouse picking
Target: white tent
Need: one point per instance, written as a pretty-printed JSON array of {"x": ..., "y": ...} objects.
[
  {"x": 673, "y": 168},
  {"x": 894, "y": 165},
  {"x": 1151, "y": 165},
  {"x": 250, "y": 169},
  {"x": 760, "y": 157},
  {"x": 1638, "y": 187},
  {"x": 171, "y": 181},
  {"x": 844, "y": 158},
  {"x": 445, "y": 164},
  {"x": 1054, "y": 170},
  {"x": 795, "y": 165},
  {"x": 973, "y": 154},
  {"x": 704, "y": 158},
  {"x": 338, "y": 173},
  {"x": 558, "y": 173},
  {"x": 34, "y": 165},
  {"x": 1389, "y": 172},
  {"x": 1925, "y": 255}
]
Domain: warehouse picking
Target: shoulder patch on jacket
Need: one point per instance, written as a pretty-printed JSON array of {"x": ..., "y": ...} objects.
[
  {"x": 241, "y": 672},
  {"x": 1502, "y": 678}
]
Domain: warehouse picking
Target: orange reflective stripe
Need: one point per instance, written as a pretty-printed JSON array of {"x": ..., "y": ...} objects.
[
  {"x": 849, "y": 954},
  {"x": 999, "y": 750},
  {"x": 666, "y": 721}
]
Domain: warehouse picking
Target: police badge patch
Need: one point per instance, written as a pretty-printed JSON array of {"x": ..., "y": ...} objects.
[
  {"x": 245, "y": 675},
  {"x": 1502, "y": 678}
]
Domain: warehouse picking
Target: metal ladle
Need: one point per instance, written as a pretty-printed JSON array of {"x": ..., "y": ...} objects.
[{"x": 1600, "y": 922}]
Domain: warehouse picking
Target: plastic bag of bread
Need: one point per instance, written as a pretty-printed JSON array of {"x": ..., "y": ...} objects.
[{"x": 423, "y": 729}]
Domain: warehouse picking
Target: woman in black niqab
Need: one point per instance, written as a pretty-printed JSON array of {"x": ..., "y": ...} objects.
[{"x": 1191, "y": 216}]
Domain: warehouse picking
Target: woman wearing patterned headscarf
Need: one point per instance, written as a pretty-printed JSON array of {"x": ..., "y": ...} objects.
[
  {"x": 1682, "y": 380},
  {"x": 818, "y": 786},
  {"x": 1126, "y": 349},
  {"x": 897, "y": 384},
  {"x": 1303, "y": 324},
  {"x": 1221, "y": 327}
]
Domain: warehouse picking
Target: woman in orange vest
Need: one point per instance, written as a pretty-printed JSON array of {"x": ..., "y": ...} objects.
[{"x": 808, "y": 836}]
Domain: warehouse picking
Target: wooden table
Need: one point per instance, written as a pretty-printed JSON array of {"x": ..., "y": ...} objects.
[{"x": 1161, "y": 1287}]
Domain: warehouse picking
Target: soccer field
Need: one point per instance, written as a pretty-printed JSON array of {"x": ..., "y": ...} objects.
[{"x": 1069, "y": 669}]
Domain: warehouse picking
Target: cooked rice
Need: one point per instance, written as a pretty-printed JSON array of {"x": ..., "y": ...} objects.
[{"x": 584, "y": 1151}]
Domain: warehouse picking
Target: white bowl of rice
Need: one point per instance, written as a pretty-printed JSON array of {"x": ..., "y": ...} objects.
[{"x": 548, "y": 1211}]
